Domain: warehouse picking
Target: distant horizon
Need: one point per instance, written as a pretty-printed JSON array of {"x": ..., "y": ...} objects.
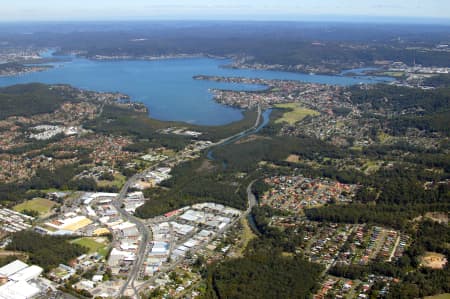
[
  {"x": 431, "y": 11},
  {"x": 355, "y": 19}
]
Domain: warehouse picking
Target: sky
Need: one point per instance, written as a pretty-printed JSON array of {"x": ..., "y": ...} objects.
[{"x": 73, "y": 10}]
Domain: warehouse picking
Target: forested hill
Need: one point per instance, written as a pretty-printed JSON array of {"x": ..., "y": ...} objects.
[
  {"x": 328, "y": 44},
  {"x": 28, "y": 99},
  {"x": 427, "y": 110}
]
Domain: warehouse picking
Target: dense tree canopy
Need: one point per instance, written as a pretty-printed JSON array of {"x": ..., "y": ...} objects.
[
  {"x": 45, "y": 251},
  {"x": 29, "y": 99}
]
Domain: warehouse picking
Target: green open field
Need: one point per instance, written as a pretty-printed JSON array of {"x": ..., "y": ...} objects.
[
  {"x": 40, "y": 205},
  {"x": 441, "y": 296},
  {"x": 247, "y": 236},
  {"x": 371, "y": 166},
  {"x": 119, "y": 181},
  {"x": 99, "y": 245},
  {"x": 296, "y": 113}
]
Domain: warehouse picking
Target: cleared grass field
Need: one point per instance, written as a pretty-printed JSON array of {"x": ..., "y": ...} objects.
[
  {"x": 371, "y": 167},
  {"x": 296, "y": 114},
  {"x": 40, "y": 205},
  {"x": 247, "y": 236},
  {"x": 119, "y": 181},
  {"x": 441, "y": 296},
  {"x": 99, "y": 245}
]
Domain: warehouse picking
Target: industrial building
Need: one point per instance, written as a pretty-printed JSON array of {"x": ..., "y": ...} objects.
[{"x": 20, "y": 281}]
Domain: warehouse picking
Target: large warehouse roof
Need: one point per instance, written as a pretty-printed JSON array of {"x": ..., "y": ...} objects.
[
  {"x": 18, "y": 290},
  {"x": 12, "y": 268},
  {"x": 27, "y": 273}
]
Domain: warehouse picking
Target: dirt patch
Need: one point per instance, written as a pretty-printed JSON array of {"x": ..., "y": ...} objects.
[
  {"x": 17, "y": 254},
  {"x": 442, "y": 218},
  {"x": 9, "y": 253},
  {"x": 293, "y": 158},
  {"x": 206, "y": 166},
  {"x": 144, "y": 185},
  {"x": 434, "y": 260}
]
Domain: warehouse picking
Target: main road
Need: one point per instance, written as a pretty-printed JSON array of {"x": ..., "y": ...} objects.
[
  {"x": 241, "y": 134},
  {"x": 143, "y": 230}
]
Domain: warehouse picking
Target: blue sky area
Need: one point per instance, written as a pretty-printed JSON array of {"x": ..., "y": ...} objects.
[{"x": 276, "y": 10}]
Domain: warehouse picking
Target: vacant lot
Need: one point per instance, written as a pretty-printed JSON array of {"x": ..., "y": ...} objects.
[
  {"x": 119, "y": 181},
  {"x": 296, "y": 113},
  {"x": 434, "y": 260},
  {"x": 293, "y": 158},
  {"x": 438, "y": 217},
  {"x": 99, "y": 245},
  {"x": 40, "y": 205}
]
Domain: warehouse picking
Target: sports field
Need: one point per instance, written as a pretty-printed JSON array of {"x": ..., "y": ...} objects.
[
  {"x": 296, "y": 113},
  {"x": 40, "y": 205}
]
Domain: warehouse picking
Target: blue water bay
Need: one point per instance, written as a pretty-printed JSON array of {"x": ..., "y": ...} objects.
[{"x": 166, "y": 86}]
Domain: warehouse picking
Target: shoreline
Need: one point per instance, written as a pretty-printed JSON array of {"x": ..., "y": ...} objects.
[
  {"x": 234, "y": 63},
  {"x": 265, "y": 84},
  {"x": 24, "y": 70}
]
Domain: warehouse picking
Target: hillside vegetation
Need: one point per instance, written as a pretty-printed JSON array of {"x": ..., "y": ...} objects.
[{"x": 28, "y": 100}]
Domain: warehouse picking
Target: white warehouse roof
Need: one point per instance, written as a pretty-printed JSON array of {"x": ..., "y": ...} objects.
[
  {"x": 18, "y": 290},
  {"x": 12, "y": 268},
  {"x": 27, "y": 273},
  {"x": 160, "y": 247}
]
